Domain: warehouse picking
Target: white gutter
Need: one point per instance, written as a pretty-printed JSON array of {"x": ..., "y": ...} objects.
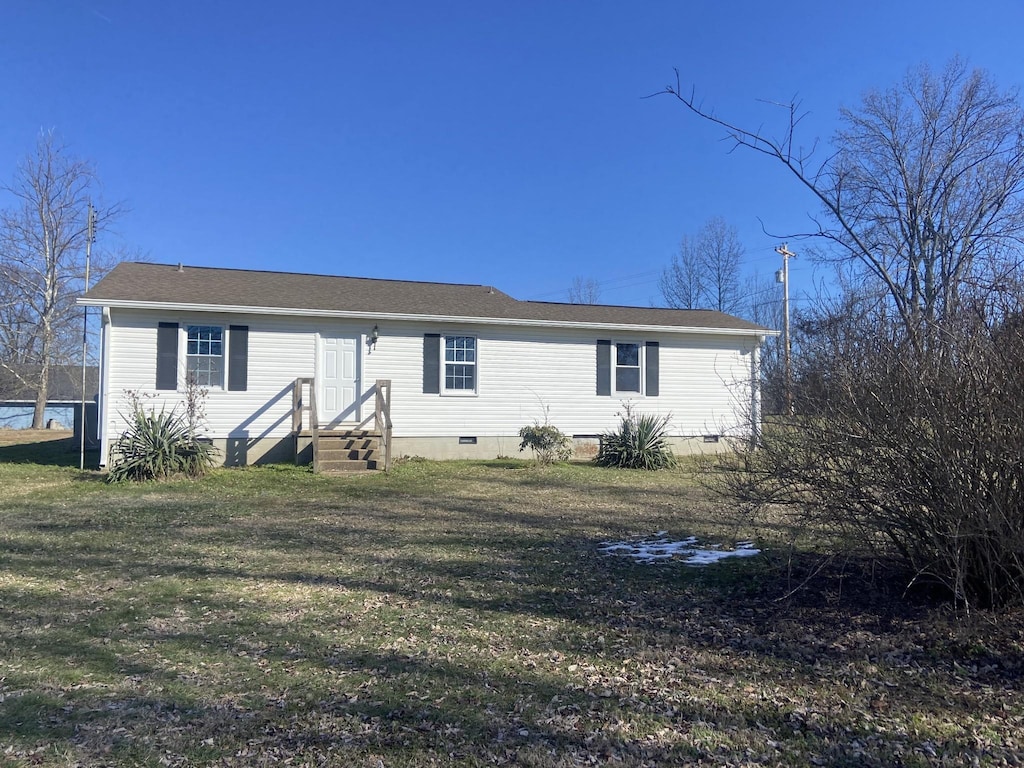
[{"x": 295, "y": 312}]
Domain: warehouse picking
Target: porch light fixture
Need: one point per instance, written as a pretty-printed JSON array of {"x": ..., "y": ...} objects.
[{"x": 374, "y": 335}]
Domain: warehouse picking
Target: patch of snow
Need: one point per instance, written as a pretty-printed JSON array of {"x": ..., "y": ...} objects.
[{"x": 687, "y": 551}]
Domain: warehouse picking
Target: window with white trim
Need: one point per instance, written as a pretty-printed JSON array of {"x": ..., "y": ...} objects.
[
  {"x": 205, "y": 355},
  {"x": 628, "y": 367},
  {"x": 460, "y": 364}
]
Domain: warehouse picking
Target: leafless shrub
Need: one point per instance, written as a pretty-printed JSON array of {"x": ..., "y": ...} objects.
[
  {"x": 909, "y": 391},
  {"x": 920, "y": 452}
]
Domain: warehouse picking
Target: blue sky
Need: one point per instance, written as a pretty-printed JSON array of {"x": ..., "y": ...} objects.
[{"x": 500, "y": 143}]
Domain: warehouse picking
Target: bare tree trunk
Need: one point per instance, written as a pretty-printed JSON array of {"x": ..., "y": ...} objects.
[{"x": 42, "y": 396}]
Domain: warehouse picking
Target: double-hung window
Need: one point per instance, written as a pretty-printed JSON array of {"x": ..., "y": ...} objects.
[
  {"x": 460, "y": 364},
  {"x": 205, "y": 355},
  {"x": 210, "y": 350},
  {"x": 627, "y": 367}
]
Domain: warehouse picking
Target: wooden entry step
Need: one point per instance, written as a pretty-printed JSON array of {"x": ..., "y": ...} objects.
[{"x": 340, "y": 450}]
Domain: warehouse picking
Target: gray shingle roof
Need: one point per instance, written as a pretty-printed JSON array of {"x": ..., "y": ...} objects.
[{"x": 147, "y": 284}]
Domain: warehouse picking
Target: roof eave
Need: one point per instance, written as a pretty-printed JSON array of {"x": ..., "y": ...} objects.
[{"x": 405, "y": 316}]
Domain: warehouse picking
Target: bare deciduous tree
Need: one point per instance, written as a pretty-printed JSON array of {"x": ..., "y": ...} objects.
[
  {"x": 705, "y": 273},
  {"x": 923, "y": 188},
  {"x": 584, "y": 290},
  {"x": 42, "y": 250},
  {"x": 722, "y": 252},
  {"x": 682, "y": 282},
  {"x": 908, "y": 380}
]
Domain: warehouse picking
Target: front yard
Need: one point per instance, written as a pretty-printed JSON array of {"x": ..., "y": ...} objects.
[{"x": 460, "y": 614}]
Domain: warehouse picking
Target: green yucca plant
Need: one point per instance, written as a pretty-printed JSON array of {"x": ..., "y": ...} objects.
[
  {"x": 639, "y": 443},
  {"x": 159, "y": 445}
]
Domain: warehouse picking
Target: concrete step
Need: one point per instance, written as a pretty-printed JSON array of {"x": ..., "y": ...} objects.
[
  {"x": 345, "y": 465},
  {"x": 349, "y": 445},
  {"x": 335, "y": 453}
]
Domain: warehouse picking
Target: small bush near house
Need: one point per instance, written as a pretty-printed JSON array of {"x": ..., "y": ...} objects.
[
  {"x": 549, "y": 444},
  {"x": 639, "y": 443},
  {"x": 157, "y": 446}
]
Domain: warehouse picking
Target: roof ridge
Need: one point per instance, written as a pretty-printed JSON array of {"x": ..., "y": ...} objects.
[
  {"x": 288, "y": 273},
  {"x": 617, "y": 306}
]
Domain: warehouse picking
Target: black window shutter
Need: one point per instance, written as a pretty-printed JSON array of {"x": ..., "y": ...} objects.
[
  {"x": 431, "y": 363},
  {"x": 652, "y": 368},
  {"x": 167, "y": 356},
  {"x": 604, "y": 367},
  {"x": 238, "y": 358}
]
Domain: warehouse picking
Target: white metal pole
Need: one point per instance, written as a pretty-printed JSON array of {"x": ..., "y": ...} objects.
[{"x": 90, "y": 228}]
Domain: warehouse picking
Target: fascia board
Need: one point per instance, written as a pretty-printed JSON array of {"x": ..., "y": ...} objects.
[{"x": 331, "y": 313}]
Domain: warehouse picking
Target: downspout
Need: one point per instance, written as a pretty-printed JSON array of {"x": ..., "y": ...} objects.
[
  {"x": 755, "y": 394},
  {"x": 104, "y": 394}
]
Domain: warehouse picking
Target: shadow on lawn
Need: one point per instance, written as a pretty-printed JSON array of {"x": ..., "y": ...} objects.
[
  {"x": 742, "y": 604},
  {"x": 154, "y": 695},
  {"x": 171, "y": 673},
  {"x": 61, "y": 452},
  {"x": 364, "y": 700},
  {"x": 664, "y": 504}
]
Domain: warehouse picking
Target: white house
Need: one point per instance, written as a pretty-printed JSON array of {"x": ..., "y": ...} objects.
[{"x": 462, "y": 367}]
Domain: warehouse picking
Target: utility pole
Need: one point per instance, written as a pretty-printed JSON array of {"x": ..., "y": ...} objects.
[
  {"x": 782, "y": 276},
  {"x": 90, "y": 234}
]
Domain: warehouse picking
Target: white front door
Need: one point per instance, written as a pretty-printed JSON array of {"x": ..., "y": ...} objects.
[{"x": 337, "y": 379}]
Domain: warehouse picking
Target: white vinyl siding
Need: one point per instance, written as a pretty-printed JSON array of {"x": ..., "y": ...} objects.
[
  {"x": 280, "y": 349},
  {"x": 704, "y": 383},
  {"x": 521, "y": 376}
]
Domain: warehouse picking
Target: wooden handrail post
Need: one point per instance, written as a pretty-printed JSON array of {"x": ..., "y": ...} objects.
[
  {"x": 314, "y": 425},
  {"x": 299, "y": 404},
  {"x": 382, "y": 417}
]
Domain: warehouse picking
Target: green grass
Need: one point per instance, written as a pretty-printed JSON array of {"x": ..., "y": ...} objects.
[{"x": 456, "y": 614}]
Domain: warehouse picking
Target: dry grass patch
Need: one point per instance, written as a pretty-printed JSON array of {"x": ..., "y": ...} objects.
[{"x": 459, "y": 614}]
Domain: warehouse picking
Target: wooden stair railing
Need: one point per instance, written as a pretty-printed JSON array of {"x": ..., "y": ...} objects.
[
  {"x": 382, "y": 418},
  {"x": 302, "y": 404}
]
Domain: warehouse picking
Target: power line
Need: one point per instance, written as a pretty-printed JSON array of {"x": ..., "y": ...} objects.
[
  {"x": 605, "y": 284},
  {"x": 620, "y": 283}
]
